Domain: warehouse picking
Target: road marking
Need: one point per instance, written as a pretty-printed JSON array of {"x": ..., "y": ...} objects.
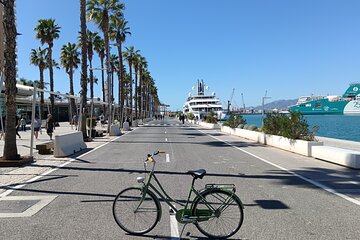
[
  {"x": 173, "y": 226},
  {"x": 13, "y": 188},
  {"x": 167, "y": 157},
  {"x": 320, "y": 185},
  {"x": 42, "y": 202}
]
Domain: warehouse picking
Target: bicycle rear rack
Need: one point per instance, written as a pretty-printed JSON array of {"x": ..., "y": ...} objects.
[{"x": 230, "y": 187}]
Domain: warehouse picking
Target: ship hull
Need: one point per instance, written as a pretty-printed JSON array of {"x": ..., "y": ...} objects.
[
  {"x": 348, "y": 103},
  {"x": 324, "y": 107}
]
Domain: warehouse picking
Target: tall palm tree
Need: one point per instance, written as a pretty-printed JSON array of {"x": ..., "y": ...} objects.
[
  {"x": 47, "y": 31},
  {"x": 118, "y": 32},
  {"x": 99, "y": 12},
  {"x": 99, "y": 47},
  {"x": 10, "y": 149},
  {"x": 136, "y": 63},
  {"x": 83, "y": 79},
  {"x": 129, "y": 56},
  {"x": 142, "y": 70},
  {"x": 114, "y": 63},
  {"x": 70, "y": 60},
  {"x": 38, "y": 58},
  {"x": 90, "y": 38}
]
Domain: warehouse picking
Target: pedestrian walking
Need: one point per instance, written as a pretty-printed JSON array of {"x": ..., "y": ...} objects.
[
  {"x": 23, "y": 124},
  {"x": 17, "y": 124},
  {"x": 75, "y": 121},
  {"x": 37, "y": 126},
  {"x": 50, "y": 126}
]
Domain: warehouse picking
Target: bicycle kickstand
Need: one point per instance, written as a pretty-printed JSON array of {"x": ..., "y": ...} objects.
[{"x": 182, "y": 231}]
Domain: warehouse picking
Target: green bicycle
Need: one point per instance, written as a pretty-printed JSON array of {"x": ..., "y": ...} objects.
[{"x": 215, "y": 210}]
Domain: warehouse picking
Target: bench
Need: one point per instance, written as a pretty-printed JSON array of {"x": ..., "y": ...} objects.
[
  {"x": 344, "y": 157},
  {"x": 45, "y": 148}
]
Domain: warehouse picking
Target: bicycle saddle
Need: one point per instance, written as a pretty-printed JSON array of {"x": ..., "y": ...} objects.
[{"x": 200, "y": 173}]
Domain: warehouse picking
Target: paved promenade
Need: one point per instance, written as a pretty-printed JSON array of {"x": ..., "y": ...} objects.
[
  {"x": 18, "y": 175},
  {"x": 11, "y": 176}
]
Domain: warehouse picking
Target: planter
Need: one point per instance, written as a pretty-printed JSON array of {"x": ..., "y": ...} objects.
[
  {"x": 297, "y": 146},
  {"x": 208, "y": 125},
  {"x": 115, "y": 130}
]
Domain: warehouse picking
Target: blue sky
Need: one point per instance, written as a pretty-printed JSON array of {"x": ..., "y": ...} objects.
[{"x": 287, "y": 48}]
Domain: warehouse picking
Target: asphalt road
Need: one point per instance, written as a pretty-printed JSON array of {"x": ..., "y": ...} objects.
[{"x": 286, "y": 196}]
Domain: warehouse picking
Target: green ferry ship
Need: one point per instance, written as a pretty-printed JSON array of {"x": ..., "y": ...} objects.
[{"x": 348, "y": 103}]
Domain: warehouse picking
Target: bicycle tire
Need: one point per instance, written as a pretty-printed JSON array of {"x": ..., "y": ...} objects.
[
  {"x": 228, "y": 221},
  {"x": 136, "y": 222}
]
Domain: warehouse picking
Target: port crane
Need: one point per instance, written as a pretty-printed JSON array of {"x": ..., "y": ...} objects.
[
  {"x": 229, "y": 101},
  {"x": 242, "y": 97}
]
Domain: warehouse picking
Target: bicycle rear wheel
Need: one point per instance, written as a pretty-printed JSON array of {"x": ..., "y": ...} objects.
[
  {"x": 134, "y": 216},
  {"x": 227, "y": 218}
]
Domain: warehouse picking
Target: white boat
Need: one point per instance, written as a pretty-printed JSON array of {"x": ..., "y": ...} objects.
[{"x": 201, "y": 103}]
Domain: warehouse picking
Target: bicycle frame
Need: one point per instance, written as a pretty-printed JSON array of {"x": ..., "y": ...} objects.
[{"x": 181, "y": 214}]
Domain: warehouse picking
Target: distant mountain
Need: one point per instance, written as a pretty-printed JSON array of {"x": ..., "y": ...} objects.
[{"x": 279, "y": 104}]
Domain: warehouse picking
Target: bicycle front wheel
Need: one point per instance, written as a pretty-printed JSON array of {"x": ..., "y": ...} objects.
[
  {"x": 135, "y": 213},
  {"x": 221, "y": 212}
]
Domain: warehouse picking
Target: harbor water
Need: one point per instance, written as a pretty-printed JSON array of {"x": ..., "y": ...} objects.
[{"x": 344, "y": 127}]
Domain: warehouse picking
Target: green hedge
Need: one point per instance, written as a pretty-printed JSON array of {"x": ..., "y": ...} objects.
[{"x": 292, "y": 126}]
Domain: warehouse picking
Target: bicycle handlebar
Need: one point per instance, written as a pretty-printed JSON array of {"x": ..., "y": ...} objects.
[{"x": 150, "y": 157}]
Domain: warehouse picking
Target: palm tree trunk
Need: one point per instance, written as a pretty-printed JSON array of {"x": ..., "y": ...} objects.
[
  {"x": 52, "y": 101},
  {"x": 140, "y": 93},
  {"x": 121, "y": 83},
  {"x": 42, "y": 116},
  {"x": 102, "y": 81},
  {"x": 136, "y": 92},
  {"x": 72, "y": 100},
  {"x": 10, "y": 149},
  {"x": 83, "y": 66},
  {"x": 107, "y": 54},
  {"x": 131, "y": 92}
]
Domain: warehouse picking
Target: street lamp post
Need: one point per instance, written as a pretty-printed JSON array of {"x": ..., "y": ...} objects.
[
  {"x": 109, "y": 99},
  {"x": 262, "y": 110}
]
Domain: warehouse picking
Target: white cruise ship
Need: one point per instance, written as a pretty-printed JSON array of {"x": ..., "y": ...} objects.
[{"x": 201, "y": 104}]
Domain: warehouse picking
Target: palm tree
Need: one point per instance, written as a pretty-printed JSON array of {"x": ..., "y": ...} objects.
[
  {"x": 10, "y": 149},
  {"x": 47, "y": 32},
  {"x": 118, "y": 32},
  {"x": 25, "y": 82},
  {"x": 99, "y": 47},
  {"x": 99, "y": 12},
  {"x": 38, "y": 58},
  {"x": 129, "y": 56},
  {"x": 70, "y": 60},
  {"x": 142, "y": 70},
  {"x": 90, "y": 38},
  {"x": 114, "y": 63},
  {"x": 136, "y": 63},
  {"x": 83, "y": 79}
]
